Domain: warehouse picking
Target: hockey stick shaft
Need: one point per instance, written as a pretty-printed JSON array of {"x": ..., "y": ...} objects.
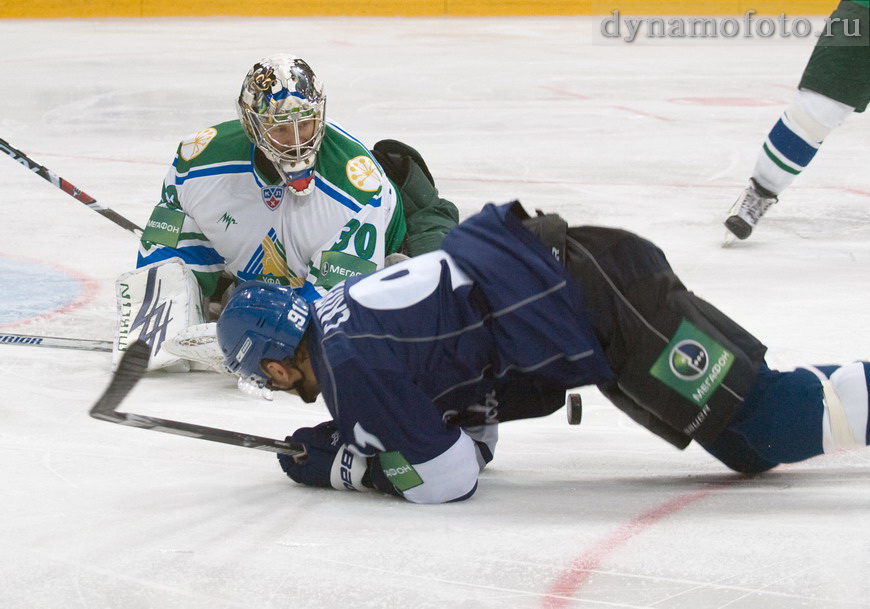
[
  {"x": 81, "y": 344},
  {"x": 79, "y": 195},
  {"x": 130, "y": 370}
]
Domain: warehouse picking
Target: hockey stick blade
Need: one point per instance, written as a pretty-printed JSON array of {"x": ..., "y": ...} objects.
[{"x": 130, "y": 371}]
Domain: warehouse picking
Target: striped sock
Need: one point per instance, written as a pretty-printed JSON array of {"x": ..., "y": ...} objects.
[{"x": 795, "y": 139}]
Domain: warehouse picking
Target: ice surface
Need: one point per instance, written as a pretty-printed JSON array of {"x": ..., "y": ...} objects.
[{"x": 654, "y": 136}]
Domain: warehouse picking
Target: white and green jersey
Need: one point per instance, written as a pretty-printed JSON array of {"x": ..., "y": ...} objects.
[{"x": 218, "y": 212}]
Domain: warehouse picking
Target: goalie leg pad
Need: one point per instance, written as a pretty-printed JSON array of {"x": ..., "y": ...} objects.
[{"x": 153, "y": 303}]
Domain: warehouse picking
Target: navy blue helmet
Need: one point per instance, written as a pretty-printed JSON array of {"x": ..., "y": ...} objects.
[{"x": 261, "y": 321}]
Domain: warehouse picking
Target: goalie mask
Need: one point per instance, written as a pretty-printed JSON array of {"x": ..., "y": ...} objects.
[
  {"x": 281, "y": 106},
  {"x": 261, "y": 321}
]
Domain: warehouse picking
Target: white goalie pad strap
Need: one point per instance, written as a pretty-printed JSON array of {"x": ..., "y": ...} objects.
[
  {"x": 348, "y": 470},
  {"x": 153, "y": 303},
  {"x": 844, "y": 422},
  {"x": 198, "y": 344}
]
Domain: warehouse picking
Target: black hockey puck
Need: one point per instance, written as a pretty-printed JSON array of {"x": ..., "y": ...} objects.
[{"x": 574, "y": 409}]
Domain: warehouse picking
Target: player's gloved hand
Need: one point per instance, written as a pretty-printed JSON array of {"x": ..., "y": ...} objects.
[
  {"x": 328, "y": 462},
  {"x": 322, "y": 443}
]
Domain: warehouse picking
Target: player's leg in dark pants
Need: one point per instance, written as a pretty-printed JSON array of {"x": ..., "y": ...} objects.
[{"x": 784, "y": 419}]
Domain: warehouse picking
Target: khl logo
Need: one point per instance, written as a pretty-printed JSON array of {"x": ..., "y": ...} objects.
[
  {"x": 272, "y": 196},
  {"x": 689, "y": 360}
]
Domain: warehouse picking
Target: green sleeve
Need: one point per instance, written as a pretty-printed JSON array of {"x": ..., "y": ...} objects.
[
  {"x": 428, "y": 217},
  {"x": 397, "y": 228},
  {"x": 207, "y": 282}
]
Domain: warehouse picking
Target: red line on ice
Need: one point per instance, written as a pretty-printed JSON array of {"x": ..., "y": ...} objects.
[
  {"x": 643, "y": 114},
  {"x": 566, "y": 585},
  {"x": 89, "y": 289},
  {"x": 564, "y": 92}
]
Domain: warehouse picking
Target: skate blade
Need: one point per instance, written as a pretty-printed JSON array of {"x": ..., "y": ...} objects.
[{"x": 730, "y": 239}]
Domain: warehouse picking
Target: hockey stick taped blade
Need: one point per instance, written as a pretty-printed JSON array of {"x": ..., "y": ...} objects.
[{"x": 130, "y": 370}]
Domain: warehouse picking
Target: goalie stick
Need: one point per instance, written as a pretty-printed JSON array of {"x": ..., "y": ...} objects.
[
  {"x": 130, "y": 370},
  {"x": 81, "y": 344},
  {"x": 68, "y": 188}
]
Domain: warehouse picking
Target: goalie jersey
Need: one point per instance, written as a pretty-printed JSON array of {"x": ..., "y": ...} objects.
[
  {"x": 403, "y": 356},
  {"x": 218, "y": 212}
]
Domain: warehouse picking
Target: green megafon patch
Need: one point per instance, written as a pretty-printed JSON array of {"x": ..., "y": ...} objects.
[
  {"x": 335, "y": 267},
  {"x": 399, "y": 472},
  {"x": 693, "y": 364},
  {"x": 164, "y": 226}
]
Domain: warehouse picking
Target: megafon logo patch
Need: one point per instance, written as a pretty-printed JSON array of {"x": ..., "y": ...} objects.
[
  {"x": 689, "y": 360},
  {"x": 693, "y": 364},
  {"x": 193, "y": 146}
]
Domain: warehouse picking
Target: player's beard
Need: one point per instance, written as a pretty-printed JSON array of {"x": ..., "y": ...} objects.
[
  {"x": 306, "y": 387},
  {"x": 306, "y": 390}
]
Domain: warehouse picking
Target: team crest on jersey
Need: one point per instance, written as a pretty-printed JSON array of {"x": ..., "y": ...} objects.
[
  {"x": 363, "y": 173},
  {"x": 193, "y": 146},
  {"x": 269, "y": 263},
  {"x": 272, "y": 196}
]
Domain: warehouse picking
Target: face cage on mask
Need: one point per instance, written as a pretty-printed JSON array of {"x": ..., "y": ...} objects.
[{"x": 287, "y": 159}]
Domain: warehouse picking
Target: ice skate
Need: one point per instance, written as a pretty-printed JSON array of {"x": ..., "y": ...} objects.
[{"x": 748, "y": 209}]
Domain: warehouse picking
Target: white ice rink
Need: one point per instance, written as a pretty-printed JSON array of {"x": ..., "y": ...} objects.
[{"x": 655, "y": 136}]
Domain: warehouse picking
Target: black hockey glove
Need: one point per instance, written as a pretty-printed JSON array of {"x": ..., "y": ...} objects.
[
  {"x": 314, "y": 468},
  {"x": 328, "y": 462}
]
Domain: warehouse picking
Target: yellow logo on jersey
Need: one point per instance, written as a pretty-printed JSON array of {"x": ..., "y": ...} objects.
[
  {"x": 273, "y": 259},
  {"x": 363, "y": 173},
  {"x": 194, "y": 145}
]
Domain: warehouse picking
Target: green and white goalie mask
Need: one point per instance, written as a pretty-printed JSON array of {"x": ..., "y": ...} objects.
[{"x": 282, "y": 109}]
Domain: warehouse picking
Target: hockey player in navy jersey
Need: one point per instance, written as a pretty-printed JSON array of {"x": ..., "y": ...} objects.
[{"x": 417, "y": 363}]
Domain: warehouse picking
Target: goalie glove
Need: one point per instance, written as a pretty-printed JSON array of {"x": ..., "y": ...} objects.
[
  {"x": 198, "y": 344},
  {"x": 153, "y": 303}
]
